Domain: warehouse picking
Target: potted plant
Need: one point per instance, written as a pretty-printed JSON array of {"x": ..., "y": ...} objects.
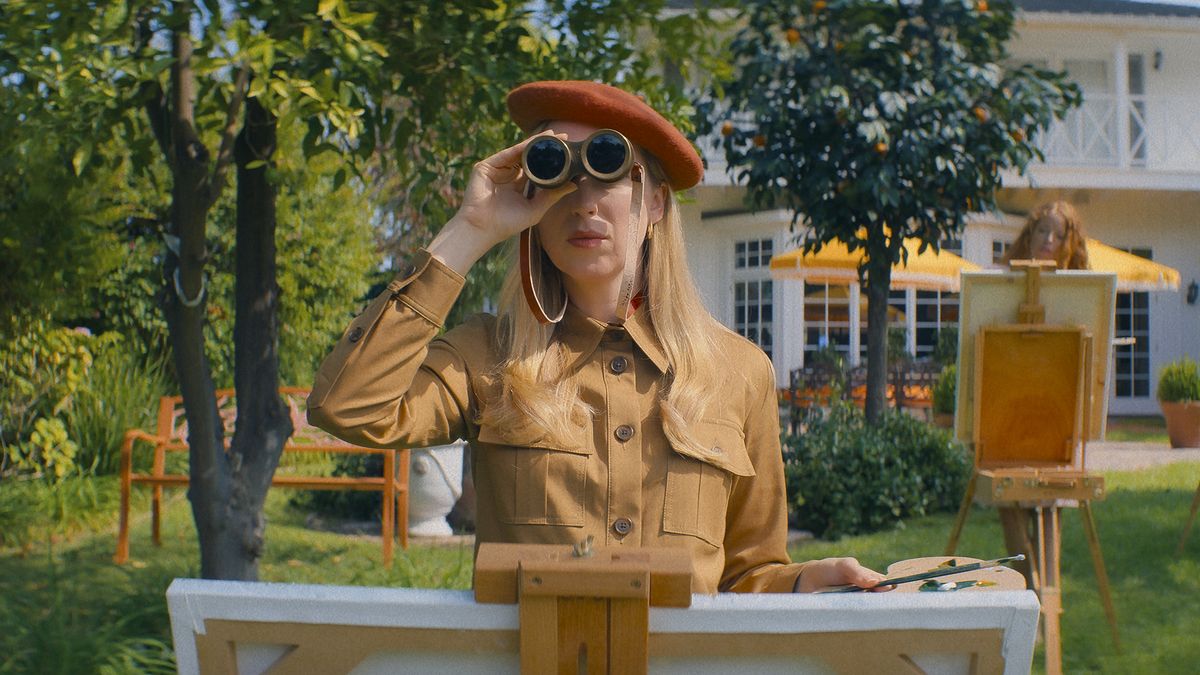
[
  {"x": 943, "y": 397},
  {"x": 1179, "y": 396}
]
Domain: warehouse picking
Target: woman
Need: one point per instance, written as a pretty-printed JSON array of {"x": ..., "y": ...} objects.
[
  {"x": 1052, "y": 232},
  {"x": 623, "y": 421}
]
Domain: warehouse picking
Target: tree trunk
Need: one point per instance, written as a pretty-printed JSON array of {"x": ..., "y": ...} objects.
[
  {"x": 184, "y": 306},
  {"x": 263, "y": 423},
  {"x": 879, "y": 280}
]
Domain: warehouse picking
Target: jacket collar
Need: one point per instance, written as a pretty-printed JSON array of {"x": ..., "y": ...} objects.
[{"x": 581, "y": 334}]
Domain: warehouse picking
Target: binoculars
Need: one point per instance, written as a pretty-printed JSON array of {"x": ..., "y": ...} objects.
[{"x": 605, "y": 155}]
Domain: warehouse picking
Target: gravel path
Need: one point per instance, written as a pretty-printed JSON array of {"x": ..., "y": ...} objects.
[{"x": 1130, "y": 456}]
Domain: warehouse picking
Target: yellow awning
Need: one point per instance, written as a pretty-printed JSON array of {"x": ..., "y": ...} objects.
[
  {"x": 835, "y": 264},
  {"x": 1134, "y": 273}
]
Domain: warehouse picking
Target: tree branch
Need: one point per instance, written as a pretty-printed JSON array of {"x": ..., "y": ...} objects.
[
  {"x": 156, "y": 111},
  {"x": 229, "y": 133},
  {"x": 155, "y": 100}
]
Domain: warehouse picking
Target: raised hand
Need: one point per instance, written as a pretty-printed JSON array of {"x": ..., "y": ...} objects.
[{"x": 494, "y": 208}]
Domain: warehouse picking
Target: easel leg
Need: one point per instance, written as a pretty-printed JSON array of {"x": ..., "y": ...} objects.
[
  {"x": 1049, "y": 591},
  {"x": 961, "y": 520},
  {"x": 629, "y": 631},
  {"x": 1016, "y": 523},
  {"x": 1089, "y": 527},
  {"x": 1187, "y": 529},
  {"x": 539, "y": 634}
]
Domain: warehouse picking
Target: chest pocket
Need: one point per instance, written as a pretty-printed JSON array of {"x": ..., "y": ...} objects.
[
  {"x": 697, "y": 494},
  {"x": 533, "y": 482}
]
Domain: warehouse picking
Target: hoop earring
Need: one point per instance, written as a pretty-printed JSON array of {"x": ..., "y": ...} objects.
[{"x": 531, "y": 255}]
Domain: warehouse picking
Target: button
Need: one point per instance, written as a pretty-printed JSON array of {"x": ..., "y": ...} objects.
[
  {"x": 356, "y": 334},
  {"x": 622, "y": 526},
  {"x": 624, "y": 432},
  {"x": 618, "y": 364},
  {"x": 408, "y": 270}
]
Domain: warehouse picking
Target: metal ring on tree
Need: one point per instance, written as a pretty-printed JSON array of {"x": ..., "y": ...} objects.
[{"x": 190, "y": 304}]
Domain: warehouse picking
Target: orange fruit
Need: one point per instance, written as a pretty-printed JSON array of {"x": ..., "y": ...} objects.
[
  {"x": 727, "y": 128},
  {"x": 792, "y": 35},
  {"x": 881, "y": 148},
  {"x": 1017, "y": 135},
  {"x": 838, "y": 45},
  {"x": 980, "y": 113},
  {"x": 760, "y": 141},
  {"x": 820, "y": 5},
  {"x": 982, "y": 5}
]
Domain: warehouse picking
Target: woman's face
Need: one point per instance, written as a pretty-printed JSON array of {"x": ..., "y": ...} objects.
[
  {"x": 1047, "y": 238},
  {"x": 585, "y": 233}
]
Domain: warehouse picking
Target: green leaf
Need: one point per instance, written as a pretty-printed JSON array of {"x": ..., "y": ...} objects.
[{"x": 326, "y": 7}]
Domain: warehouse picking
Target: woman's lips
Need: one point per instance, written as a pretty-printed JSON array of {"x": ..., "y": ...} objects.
[{"x": 586, "y": 240}]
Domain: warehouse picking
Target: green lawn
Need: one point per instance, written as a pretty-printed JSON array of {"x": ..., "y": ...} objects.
[
  {"x": 68, "y": 609},
  {"x": 1140, "y": 429}
]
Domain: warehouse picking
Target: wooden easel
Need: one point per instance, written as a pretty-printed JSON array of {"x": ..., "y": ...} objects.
[
  {"x": 583, "y": 609},
  {"x": 1031, "y": 409}
]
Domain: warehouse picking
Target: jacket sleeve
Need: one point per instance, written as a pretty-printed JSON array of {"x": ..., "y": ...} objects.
[
  {"x": 756, "y": 558},
  {"x": 388, "y": 382}
]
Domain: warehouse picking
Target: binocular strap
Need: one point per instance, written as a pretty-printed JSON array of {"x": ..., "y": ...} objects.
[
  {"x": 632, "y": 248},
  {"x": 529, "y": 284},
  {"x": 633, "y": 245}
]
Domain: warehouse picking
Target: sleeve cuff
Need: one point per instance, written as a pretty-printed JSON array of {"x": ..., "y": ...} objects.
[{"x": 428, "y": 287}]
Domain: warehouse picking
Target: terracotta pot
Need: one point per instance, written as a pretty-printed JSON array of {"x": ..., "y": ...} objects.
[{"x": 1183, "y": 423}]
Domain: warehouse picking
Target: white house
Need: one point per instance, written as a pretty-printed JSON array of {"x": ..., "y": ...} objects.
[{"x": 1128, "y": 159}]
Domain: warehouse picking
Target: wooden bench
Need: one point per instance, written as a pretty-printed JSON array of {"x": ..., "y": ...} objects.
[{"x": 171, "y": 436}]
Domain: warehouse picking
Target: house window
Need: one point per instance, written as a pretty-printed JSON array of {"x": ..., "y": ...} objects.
[
  {"x": 953, "y": 245},
  {"x": 1131, "y": 376},
  {"x": 999, "y": 249},
  {"x": 936, "y": 311},
  {"x": 753, "y": 293},
  {"x": 826, "y": 319},
  {"x": 752, "y": 254}
]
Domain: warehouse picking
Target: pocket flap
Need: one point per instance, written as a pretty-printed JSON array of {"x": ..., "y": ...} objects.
[
  {"x": 726, "y": 447},
  {"x": 528, "y": 435}
]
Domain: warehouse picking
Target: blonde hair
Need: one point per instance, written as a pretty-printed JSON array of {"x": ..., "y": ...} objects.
[
  {"x": 1073, "y": 254},
  {"x": 533, "y": 381}
]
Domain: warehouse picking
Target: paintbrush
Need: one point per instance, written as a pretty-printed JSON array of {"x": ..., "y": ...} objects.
[{"x": 931, "y": 574}]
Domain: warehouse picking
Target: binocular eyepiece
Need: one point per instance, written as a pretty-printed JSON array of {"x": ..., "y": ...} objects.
[{"x": 605, "y": 155}]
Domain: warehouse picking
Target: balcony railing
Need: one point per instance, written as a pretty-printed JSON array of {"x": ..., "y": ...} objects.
[
  {"x": 1160, "y": 134},
  {"x": 1155, "y": 133}
]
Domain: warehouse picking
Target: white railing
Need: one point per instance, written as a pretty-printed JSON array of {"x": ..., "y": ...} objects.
[{"x": 1160, "y": 133}]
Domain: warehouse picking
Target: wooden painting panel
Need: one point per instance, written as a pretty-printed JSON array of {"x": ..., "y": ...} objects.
[{"x": 1070, "y": 297}]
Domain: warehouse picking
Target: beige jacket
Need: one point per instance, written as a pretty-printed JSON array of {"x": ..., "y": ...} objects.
[{"x": 390, "y": 381}]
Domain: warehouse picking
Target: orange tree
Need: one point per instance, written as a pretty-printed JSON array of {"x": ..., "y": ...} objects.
[{"x": 877, "y": 120}]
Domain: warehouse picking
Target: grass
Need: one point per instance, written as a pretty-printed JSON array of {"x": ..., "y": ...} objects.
[
  {"x": 1139, "y": 429},
  {"x": 67, "y": 609}
]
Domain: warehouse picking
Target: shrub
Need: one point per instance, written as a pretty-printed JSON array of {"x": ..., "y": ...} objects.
[
  {"x": 1179, "y": 381},
  {"x": 44, "y": 368},
  {"x": 847, "y": 477},
  {"x": 946, "y": 351},
  {"x": 122, "y": 393},
  {"x": 945, "y": 389}
]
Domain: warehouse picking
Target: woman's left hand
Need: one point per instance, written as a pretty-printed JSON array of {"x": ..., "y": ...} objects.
[{"x": 827, "y": 572}]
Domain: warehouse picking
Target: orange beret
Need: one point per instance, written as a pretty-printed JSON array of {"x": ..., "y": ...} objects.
[{"x": 606, "y": 107}]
